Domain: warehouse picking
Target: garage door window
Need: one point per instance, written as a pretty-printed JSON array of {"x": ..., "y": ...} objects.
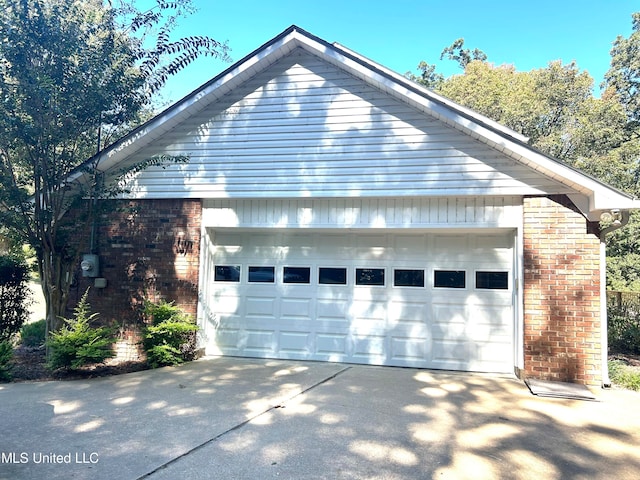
[
  {"x": 262, "y": 274},
  {"x": 332, "y": 276},
  {"x": 492, "y": 280},
  {"x": 297, "y": 275},
  {"x": 449, "y": 279},
  {"x": 370, "y": 276},
  {"x": 227, "y": 273},
  {"x": 408, "y": 278}
]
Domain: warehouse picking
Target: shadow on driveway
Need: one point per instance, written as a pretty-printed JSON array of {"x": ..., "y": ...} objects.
[{"x": 232, "y": 418}]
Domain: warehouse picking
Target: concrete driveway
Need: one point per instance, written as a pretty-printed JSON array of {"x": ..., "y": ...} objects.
[{"x": 230, "y": 418}]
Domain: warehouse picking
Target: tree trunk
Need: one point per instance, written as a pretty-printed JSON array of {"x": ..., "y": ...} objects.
[{"x": 56, "y": 273}]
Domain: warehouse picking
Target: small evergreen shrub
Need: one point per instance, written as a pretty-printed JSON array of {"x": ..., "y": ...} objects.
[
  {"x": 33, "y": 334},
  {"x": 171, "y": 338},
  {"x": 15, "y": 295},
  {"x": 77, "y": 343},
  {"x": 6, "y": 354}
]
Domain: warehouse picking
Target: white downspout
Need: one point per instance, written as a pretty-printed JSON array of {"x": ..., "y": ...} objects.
[{"x": 604, "y": 340}]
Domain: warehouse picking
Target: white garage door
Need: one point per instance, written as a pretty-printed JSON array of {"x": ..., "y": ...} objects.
[{"x": 429, "y": 300}]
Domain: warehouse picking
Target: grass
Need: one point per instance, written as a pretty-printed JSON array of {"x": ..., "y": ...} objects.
[{"x": 623, "y": 375}]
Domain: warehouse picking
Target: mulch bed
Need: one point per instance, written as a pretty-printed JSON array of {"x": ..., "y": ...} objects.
[
  {"x": 628, "y": 359},
  {"x": 29, "y": 364}
]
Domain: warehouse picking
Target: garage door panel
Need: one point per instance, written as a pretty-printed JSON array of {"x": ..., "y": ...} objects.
[
  {"x": 491, "y": 243},
  {"x": 408, "y": 313},
  {"x": 227, "y": 304},
  {"x": 333, "y": 347},
  {"x": 332, "y": 310},
  {"x": 409, "y": 349},
  {"x": 493, "y": 321},
  {"x": 370, "y": 349},
  {"x": 449, "y": 315},
  {"x": 454, "y": 354},
  {"x": 227, "y": 340},
  {"x": 295, "y": 343},
  {"x": 258, "y": 342},
  {"x": 261, "y": 307},
  {"x": 296, "y": 308},
  {"x": 369, "y": 310}
]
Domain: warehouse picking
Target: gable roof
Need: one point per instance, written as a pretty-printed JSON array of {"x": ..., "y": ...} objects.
[{"x": 589, "y": 194}]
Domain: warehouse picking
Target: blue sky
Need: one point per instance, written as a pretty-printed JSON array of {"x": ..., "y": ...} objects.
[{"x": 399, "y": 34}]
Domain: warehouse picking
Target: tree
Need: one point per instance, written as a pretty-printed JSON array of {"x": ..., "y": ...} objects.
[
  {"x": 73, "y": 74},
  {"x": 623, "y": 77},
  {"x": 553, "y": 106},
  {"x": 428, "y": 78},
  {"x": 431, "y": 79},
  {"x": 463, "y": 56},
  {"x": 14, "y": 295}
]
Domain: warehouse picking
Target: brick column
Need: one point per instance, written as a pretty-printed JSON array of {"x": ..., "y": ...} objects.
[{"x": 561, "y": 292}]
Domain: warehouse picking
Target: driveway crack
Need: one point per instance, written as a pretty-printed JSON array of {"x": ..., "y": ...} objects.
[{"x": 240, "y": 425}]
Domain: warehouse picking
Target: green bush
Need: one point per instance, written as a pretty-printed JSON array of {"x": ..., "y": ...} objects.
[
  {"x": 15, "y": 295},
  {"x": 623, "y": 375},
  {"x": 33, "y": 334},
  {"x": 6, "y": 354},
  {"x": 77, "y": 343},
  {"x": 171, "y": 338},
  {"x": 624, "y": 326}
]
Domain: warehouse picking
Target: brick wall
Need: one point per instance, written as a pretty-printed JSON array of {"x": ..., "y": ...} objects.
[
  {"x": 147, "y": 249},
  {"x": 561, "y": 292}
]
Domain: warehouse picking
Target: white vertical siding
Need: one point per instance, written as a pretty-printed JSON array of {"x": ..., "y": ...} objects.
[
  {"x": 304, "y": 128},
  {"x": 462, "y": 212}
]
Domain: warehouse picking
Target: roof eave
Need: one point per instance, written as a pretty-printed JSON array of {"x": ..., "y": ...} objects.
[{"x": 592, "y": 195}]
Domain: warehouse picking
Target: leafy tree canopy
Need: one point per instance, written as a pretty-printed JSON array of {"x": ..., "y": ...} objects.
[
  {"x": 624, "y": 75},
  {"x": 73, "y": 74}
]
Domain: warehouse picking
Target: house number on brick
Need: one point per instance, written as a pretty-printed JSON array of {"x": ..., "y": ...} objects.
[{"x": 183, "y": 246}]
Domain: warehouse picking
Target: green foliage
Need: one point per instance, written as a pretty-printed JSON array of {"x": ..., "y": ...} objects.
[
  {"x": 163, "y": 311},
  {"x": 15, "y": 296},
  {"x": 624, "y": 325},
  {"x": 623, "y": 273},
  {"x": 624, "y": 375},
  {"x": 75, "y": 75},
  {"x": 6, "y": 354},
  {"x": 171, "y": 338},
  {"x": 552, "y": 106},
  {"x": 33, "y": 334},
  {"x": 463, "y": 56},
  {"x": 623, "y": 77},
  {"x": 77, "y": 343},
  {"x": 428, "y": 76}
]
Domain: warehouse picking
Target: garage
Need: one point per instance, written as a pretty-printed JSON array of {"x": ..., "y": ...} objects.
[
  {"x": 430, "y": 299},
  {"x": 327, "y": 208}
]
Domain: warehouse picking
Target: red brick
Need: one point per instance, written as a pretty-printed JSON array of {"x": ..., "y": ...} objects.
[{"x": 561, "y": 291}]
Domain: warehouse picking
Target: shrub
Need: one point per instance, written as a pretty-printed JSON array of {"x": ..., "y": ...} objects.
[
  {"x": 77, "y": 343},
  {"x": 171, "y": 338},
  {"x": 33, "y": 334},
  {"x": 624, "y": 376},
  {"x": 6, "y": 354},
  {"x": 624, "y": 326},
  {"x": 15, "y": 295}
]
